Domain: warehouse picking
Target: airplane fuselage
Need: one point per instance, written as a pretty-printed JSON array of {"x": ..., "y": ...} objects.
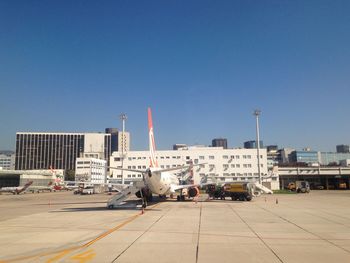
[
  {"x": 160, "y": 182},
  {"x": 13, "y": 190}
]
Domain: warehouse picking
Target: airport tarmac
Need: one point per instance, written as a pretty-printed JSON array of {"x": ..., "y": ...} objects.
[{"x": 62, "y": 227}]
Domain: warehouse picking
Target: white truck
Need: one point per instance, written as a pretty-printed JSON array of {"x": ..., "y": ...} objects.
[{"x": 85, "y": 189}]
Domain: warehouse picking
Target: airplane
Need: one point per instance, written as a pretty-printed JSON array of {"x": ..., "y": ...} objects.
[
  {"x": 15, "y": 189},
  {"x": 41, "y": 188},
  {"x": 155, "y": 180}
]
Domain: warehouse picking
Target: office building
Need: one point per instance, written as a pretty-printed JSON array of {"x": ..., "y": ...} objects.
[
  {"x": 178, "y": 146},
  {"x": 41, "y": 150},
  {"x": 219, "y": 142},
  {"x": 252, "y": 145},
  {"x": 285, "y": 155},
  {"x": 91, "y": 170},
  {"x": 273, "y": 156},
  {"x": 307, "y": 157},
  {"x": 332, "y": 158},
  {"x": 343, "y": 148},
  {"x": 7, "y": 160},
  {"x": 114, "y": 138}
]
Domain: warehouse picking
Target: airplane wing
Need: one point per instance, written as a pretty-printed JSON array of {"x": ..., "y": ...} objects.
[
  {"x": 184, "y": 186},
  {"x": 130, "y": 170}
]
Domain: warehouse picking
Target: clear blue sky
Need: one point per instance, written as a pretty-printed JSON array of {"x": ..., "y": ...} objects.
[{"x": 203, "y": 67}]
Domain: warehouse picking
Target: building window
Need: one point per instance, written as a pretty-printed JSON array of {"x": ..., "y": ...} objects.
[
  {"x": 211, "y": 157},
  {"x": 225, "y": 157},
  {"x": 237, "y": 156},
  {"x": 201, "y": 157},
  {"x": 232, "y": 166}
]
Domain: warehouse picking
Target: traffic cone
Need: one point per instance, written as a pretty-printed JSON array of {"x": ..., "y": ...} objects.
[{"x": 276, "y": 200}]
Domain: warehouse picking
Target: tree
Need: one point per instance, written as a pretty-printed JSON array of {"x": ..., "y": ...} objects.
[{"x": 70, "y": 175}]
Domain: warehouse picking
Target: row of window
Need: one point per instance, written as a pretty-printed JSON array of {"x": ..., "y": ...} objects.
[
  {"x": 210, "y": 157},
  {"x": 201, "y": 175},
  {"x": 211, "y": 166}
]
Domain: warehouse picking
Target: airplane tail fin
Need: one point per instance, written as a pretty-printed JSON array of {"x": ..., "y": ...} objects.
[{"x": 152, "y": 146}]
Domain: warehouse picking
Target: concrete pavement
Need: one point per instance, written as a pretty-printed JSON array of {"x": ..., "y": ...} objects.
[{"x": 311, "y": 227}]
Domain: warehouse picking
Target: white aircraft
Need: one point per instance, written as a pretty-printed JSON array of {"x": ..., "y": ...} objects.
[
  {"x": 15, "y": 189},
  {"x": 41, "y": 188},
  {"x": 155, "y": 180}
]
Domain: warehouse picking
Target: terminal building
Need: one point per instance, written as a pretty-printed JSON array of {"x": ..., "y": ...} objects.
[{"x": 224, "y": 165}]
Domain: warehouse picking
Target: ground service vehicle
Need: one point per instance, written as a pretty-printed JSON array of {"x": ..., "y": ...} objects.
[
  {"x": 85, "y": 189},
  {"x": 242, "y": 191},
  {"x": 216, "y": 191},
  {"x": 299, "y": 186}
]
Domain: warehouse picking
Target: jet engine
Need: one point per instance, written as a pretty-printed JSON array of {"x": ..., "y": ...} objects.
[
  {"x": 146, "y": 193},
  {"x": 192, "y": 192}
]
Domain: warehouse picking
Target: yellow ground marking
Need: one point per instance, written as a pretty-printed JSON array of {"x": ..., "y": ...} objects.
[
  {"x": 85, "y": 256},
  {"x": 59, "y": 256},
  {"x": 63, "y": 252}
]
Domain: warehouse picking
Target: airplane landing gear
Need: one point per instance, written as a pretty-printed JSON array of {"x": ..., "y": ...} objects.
[{"x": 180, "y": 198}]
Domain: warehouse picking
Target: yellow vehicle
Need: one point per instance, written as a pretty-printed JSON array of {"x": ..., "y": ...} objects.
[
  {"x": 299, "y": 186},
  {"x": 342, "y": 185},
  {"x": 239, "y": 191},
  {"x": 291, "y": 186}
]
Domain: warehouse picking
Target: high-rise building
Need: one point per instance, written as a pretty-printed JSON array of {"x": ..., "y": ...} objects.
[
  {"x": 342, "y": 148},
  {"x": 252, "y": 144},
  {"x": 219, "y": 142},
  {"x": 114, "y": 138},
  {"x": 41, "y": 150}
]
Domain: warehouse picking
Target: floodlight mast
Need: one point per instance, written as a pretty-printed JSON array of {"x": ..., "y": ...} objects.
[
  {"x": 123, "y": 118},
  {"x": 257, "y": 142}
]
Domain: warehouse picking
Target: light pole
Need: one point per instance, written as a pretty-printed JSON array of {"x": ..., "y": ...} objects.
[
  {"x": 257, "y": 113},
  {"x": 123, "y": 117}
]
